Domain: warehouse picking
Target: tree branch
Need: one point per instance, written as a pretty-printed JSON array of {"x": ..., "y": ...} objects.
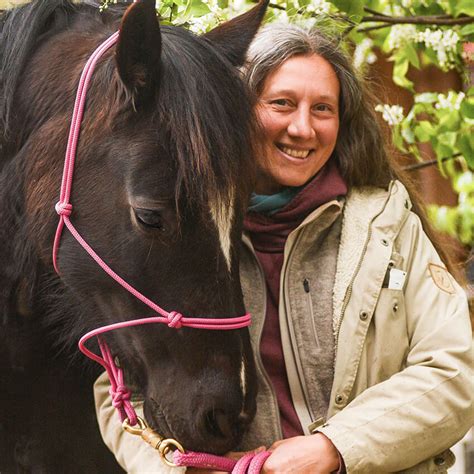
[
  {"x": 418, "y": 20},
  {"x": 372, "y": 28},
  {"x": 425, "y": 164}
]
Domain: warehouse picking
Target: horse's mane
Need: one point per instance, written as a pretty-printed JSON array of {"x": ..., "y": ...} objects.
[{"x": 190, "y": 95}]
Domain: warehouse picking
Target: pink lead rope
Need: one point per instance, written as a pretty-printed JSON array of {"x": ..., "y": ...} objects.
[{"x": 119, "y": 392}]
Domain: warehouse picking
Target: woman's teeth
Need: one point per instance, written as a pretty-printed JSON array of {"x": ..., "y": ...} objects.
[{"x": 295, "y": 153}]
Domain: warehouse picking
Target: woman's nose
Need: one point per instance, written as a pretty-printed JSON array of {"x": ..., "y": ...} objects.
[{"x": 301, "y": 125}]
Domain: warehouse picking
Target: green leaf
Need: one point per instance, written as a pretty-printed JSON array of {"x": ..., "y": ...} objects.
[
  {"x": 412, "y": 55},
  {"x": 448, "y": 139},
  {"x": 407, "y": 134},
  {"x": 449, "y": 120},
  {"x": 464, "y": 6},
  {"x": 467, "y": 109},
  {"x": 399, "y": 74},
  {"x": 443, "y": 150},
  {"x": 196, "y": 8},
  {"x": 398, "y": 140},
  {"x": 465, "y": 144},
  {"x": 467, "y": 30},
  {"x": 431, "y": 55},
  {"x": 452, "y": 6},
  {"x": 414, "y": 150},
  {"x": 424, "y": 131},
  {"x": 421, "y": 135},
  {"x": 352, "y": 7}
]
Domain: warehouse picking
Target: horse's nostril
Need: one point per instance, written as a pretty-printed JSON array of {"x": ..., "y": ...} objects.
[{"x": 219, "y": 424}]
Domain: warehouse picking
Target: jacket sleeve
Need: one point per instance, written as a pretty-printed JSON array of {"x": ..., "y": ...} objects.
[
  {"x": 427, "y": 406},
  {"x": 131, "y": 452}
]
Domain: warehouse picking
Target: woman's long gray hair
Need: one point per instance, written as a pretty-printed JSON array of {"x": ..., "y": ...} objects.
[{"x": 361, "y": 149}]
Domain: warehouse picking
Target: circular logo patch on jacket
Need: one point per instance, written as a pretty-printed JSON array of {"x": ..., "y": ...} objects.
[{"x": 442, "y": 278}]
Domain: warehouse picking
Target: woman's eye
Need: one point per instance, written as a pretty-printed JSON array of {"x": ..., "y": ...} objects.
[
  {"x": 280, "y": 102},
  {"x": 150, "y": 218},
  {"x": 322, "y": 108}
]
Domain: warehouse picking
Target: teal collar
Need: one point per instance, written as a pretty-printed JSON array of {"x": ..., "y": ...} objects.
[{"x": 271, "y": 204}]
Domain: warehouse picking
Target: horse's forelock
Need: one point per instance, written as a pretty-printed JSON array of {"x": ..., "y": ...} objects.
[{"x": 210, "y": 120}]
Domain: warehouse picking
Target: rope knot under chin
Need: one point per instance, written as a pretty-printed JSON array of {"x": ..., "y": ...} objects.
[
  {"x": 174, "y": 320},
  {"x": 119, "y": 395},
  {"x": 63, "y": 208}
]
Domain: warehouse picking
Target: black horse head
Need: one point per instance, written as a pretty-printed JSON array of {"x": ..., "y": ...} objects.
[{"x": 164, "y": 169}]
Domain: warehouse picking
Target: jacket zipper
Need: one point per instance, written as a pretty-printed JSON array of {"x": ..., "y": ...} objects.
[
  {"x": 287, "y": 318},
  {"x": 349, "y": 289},
  {"x": 309, "y": 301}
]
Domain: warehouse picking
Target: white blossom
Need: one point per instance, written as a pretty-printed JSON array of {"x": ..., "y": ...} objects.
[
  {"x": 318, "y": 7},
  {"x": 400, "y": 35},
  {"x": 199, "y": 25},
  {"x": 393, "y": 10},
  {"x": 452, "y": 101},
  {"x": 444, "y": 43},
  {"x": 363, "y": 53},
  {"x": 392, "y": 114}
]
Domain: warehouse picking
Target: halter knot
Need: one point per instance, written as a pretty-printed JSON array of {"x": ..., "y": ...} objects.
[
  {"x": 174, "y": 320},
  {"x": 119, "y": 395},
  {"x": 63, "y": 208}
]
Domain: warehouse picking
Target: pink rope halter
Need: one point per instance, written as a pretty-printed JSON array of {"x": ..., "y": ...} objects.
[{"x": 119, "y": 392}]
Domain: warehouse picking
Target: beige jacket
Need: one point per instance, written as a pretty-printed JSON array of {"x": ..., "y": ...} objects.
[{"x": 403, "y": 380}]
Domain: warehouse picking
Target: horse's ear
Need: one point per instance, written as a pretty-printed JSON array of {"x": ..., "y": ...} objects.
[
  {"x": 139, "y": 48},
  {"x": 233, "y": 37}
]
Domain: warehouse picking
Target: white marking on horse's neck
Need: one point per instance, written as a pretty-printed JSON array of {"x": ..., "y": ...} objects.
[
  {"x": 223, "y": 216},
  {"x": 243, "y": 382}
]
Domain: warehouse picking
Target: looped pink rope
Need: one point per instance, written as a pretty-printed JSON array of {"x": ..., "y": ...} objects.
[
  {"x": 174, "y": 320},
  {"x": 118, "y": 391},
  {"x": 251, "y": 463}
]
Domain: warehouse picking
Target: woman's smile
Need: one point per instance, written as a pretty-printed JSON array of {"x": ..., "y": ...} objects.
[{"x": 294, "y": 152}]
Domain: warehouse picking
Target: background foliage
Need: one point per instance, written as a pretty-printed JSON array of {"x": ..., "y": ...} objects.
[{"x": 415, "y": 33}]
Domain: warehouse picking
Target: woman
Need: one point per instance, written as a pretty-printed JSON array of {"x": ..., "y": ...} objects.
[{"x": 363, "y": 338}]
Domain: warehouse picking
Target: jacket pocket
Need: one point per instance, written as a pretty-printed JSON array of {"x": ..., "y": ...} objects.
[
  {"x": 387, "y": 339},
  {"x": 309, "y": 304}
]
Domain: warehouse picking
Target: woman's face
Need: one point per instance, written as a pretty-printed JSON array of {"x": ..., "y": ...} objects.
[{"x": 299, "y": 111}]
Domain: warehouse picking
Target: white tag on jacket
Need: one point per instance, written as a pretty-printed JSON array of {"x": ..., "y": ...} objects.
[{"x": 397, "y": 279}]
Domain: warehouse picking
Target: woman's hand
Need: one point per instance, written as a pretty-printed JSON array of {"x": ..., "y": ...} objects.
[{"x": 314, "y": 454}]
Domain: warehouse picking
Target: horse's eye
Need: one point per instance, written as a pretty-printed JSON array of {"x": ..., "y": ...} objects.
[{"x": 150, "y": 218}]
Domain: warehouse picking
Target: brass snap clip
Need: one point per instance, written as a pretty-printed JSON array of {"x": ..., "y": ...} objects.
[
  {"x": 143, "y": 430},
  {"x": 167, "y": 446},
  {"x": 164, "y": 446},
  {"x": 142, "y": 426}
]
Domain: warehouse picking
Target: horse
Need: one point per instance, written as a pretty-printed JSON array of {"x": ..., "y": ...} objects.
[{"x": 163, "y": 174}]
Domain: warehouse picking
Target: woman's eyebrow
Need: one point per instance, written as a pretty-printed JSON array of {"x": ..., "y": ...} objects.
[{"x": 329, "y": 97}]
